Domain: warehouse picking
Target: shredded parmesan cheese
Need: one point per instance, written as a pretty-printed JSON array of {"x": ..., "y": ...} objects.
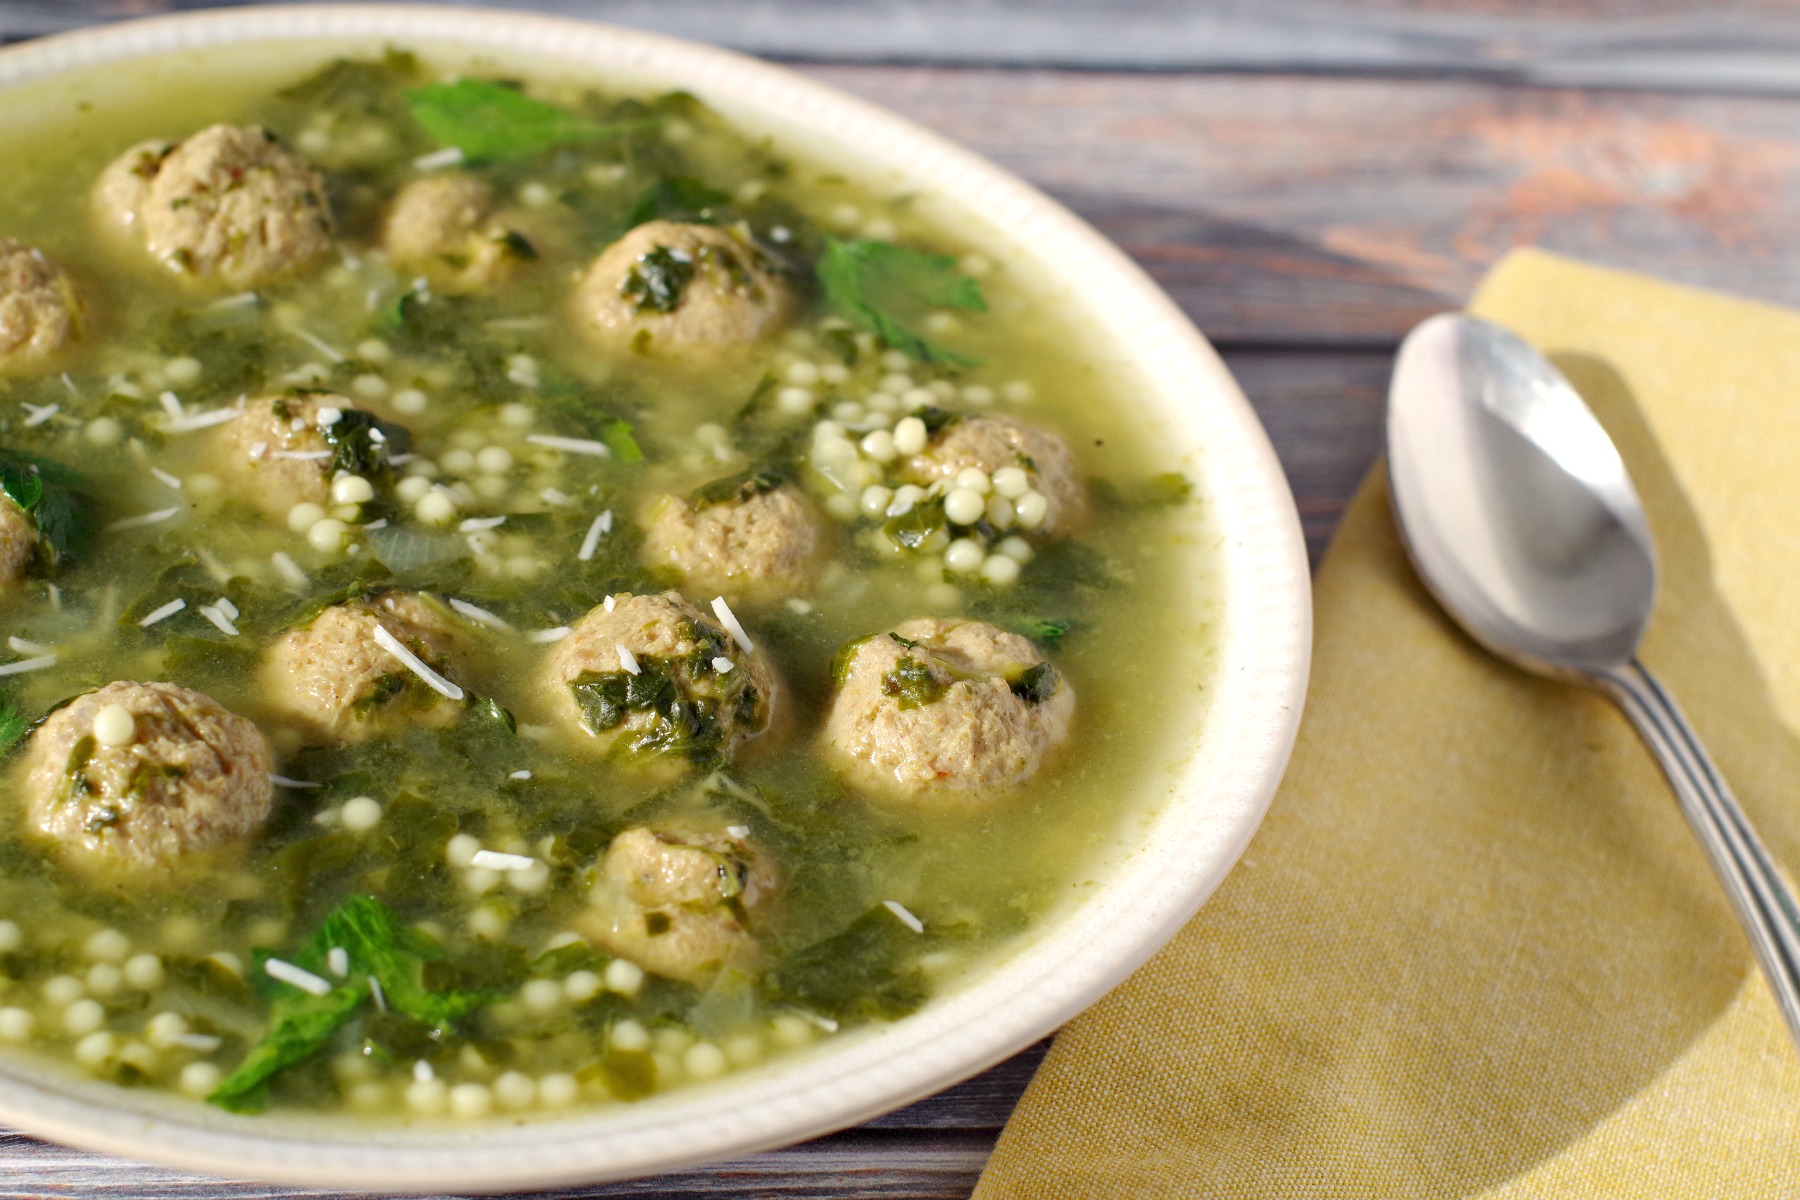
[
  {"x": 164, "y": 478},
  {"x": 729, "y": 620},
  {"x": 627, "y": 659},
  {"x": 722, "y": 664},
  {"x": 288, "y": 568},
  {"x": 480, "y": 616},
  {"x": 338, "y": 960},
  {"x": 36, "y": 415},
  {"x": 202, "y": 420},
  {"x": 299, "y": 977},
  {"x": 449, "y": 156},
  {"x": 416, "y": 665},
  {"x": 222, "y": 622},
  {"x": 602, "y": 525},
  {"x": 474, "y": 524},
  {"x": 906, "y": 918},
  {"x": 493, "y": 860},
  {"x": 28, "y": 664},
  {"x": 570, "y": 445},
  {"x": 545, "y": 636},
  {"x": 284, "y": 781},
  {"x": 162, "y": 613},
  {"x": 149, "y": 518}
]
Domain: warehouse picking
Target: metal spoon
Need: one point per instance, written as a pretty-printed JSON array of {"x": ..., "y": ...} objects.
[{"x": 1516, "y": 510}]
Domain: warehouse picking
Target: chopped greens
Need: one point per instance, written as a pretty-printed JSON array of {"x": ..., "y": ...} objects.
[
  {"x": 56, "y": 498},
  {"x": 13, "y": 724},
  {"x": 869, "y": 971},
  {"x": 913, "y": 683},
  {"x": 363, "y": 444},
  {"x": 682, "y": 198},
  {"x": 494, "y": 122},
  {"x": 737, "y": 488},
  {"x": 1036, "y": 684},
  {"x": 656, "y": 281},
  {"x": 884, "y": 289},
  {"x": 379, "y": 953}
]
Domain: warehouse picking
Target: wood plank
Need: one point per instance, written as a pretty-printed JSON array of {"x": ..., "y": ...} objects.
[
  {"x": 849, "y": 1165},
  {"x": 1732, "y": 46},
  {"x": 1325, "y": 211}
]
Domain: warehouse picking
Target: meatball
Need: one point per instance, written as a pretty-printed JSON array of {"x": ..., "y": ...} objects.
[
  {"x": 281, "y": 451},
  {"x": 338, "y": 684},
  {"x": 991, "y": 443},
  {"x": 648, "y": 678},
  {"x": 39, "y": 311},
  {"x": 680, "y": 900},
  {"x": 229, "y": 207},
  {"x": 757, "y": 538},
  {"x": 690, "y": 290},
  {"x": 945, "y": 711},
  {"x": 140, "y": 778},
  {"x": 18, "y": 541},
  {"x": 442, "y": 227}
]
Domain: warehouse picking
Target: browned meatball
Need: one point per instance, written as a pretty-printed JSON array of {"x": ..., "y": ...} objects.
[
  {"x": 18, "y": 541},
  {"x": 694, "y": 694},
  {"x": 338, "y": 684},
  {"x": 40, "y": 313},
  {"x": 680, "y": 900},
  {"x": 228, "y": 207},
  {"x": 279, "y": 453},
  {"x": 443, "y": 227},
  {"x": 945, "y": 712},
  {"x": 138, "y": 778},
  {"x": 686, "y": 291},
  {"x": 991, "y": 443},
  {"x": 757, "y": 539}
]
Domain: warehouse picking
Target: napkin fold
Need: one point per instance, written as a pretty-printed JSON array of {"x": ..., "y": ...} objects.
[{"x": 1474, "y": 950}]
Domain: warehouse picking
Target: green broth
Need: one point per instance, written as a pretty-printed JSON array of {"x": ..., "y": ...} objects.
[{"x": 1116, "y": 601}]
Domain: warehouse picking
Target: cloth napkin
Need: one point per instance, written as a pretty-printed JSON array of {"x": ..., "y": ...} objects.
[{"x": 1474, "y": 950}]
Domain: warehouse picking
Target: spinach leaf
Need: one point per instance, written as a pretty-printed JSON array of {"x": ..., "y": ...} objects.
[
  {"x": 13, "y": 725},
  {"x": 363, "y": 444},
  {"x": 880, "y": 288},
  {"x": 56, "y": 499},
  {"x": 657, "y": 279},
  {"x": 913, "y": 682},
  {"x": 1037, "y": 684},
  {"x": 568, "y": 395},
  {"x": 1045, "y": 631},
  {"x": 914, "y": 527},
  {"x": 869, "y": 971},
  {"x": 494, "y": 122},
  {"x": 300, "y": 1026},
  {"x": 682, "y": 198},
  {"x": 380, "y": 952},
  {"x": 736, "y": 488},
  {"x": 379, "y": 946}
]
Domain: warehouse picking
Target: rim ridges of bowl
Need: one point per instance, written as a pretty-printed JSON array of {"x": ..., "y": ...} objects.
[{"x": 1260, "y": 678}]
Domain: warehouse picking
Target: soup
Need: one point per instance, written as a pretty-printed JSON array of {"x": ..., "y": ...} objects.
[{"x": 523, "y": 597}]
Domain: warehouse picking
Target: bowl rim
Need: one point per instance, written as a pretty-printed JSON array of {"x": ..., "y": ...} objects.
[{"x": 1249, "y": 728}]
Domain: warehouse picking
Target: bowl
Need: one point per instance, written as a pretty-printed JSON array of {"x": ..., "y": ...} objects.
[{"x": 1144, "y": 888}]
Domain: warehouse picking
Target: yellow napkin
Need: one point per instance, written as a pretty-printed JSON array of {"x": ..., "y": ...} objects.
[{"x": 1474, "y": 951}]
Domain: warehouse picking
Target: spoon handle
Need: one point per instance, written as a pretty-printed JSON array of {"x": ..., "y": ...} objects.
[{"x": 1765, "y": 905}]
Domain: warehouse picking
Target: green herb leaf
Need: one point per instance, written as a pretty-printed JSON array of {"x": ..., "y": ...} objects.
[
  {"x": 1036, "y": 684},
  {"x": 682, "y": 198},
  {"x": 56, "y": 499},
  {"x": 1045, "y": 631},
  {"x": 734, "y": 488},
  {"x": 363, "y": 444},
  {"x": 913, "y": 683},
  {"x": 300, "y": 1026},
  {"x": 657, "y": 279},
  {"x": 379, "y": 948},
  {"x": 883, "y": 288},
  {"x": 869, "y": 971},
  {"x": 492, "y": 122},
  {"x": 915, "y": 526},
  {"x": 13, "y": 725}
]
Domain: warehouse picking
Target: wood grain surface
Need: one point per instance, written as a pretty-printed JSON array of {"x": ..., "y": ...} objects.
[{"x": 1307, "y": 178}]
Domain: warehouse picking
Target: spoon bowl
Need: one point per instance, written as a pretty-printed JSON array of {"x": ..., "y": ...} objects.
[
  {"x": 1516, "y": 507},
  {"x": 1520, "y": 518}
]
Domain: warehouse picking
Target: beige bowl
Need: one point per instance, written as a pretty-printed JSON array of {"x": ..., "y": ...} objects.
[{"x": 1145, "y": 887}]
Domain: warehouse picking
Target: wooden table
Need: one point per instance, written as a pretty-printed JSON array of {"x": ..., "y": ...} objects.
[{"x": 1308, "y": 178}]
